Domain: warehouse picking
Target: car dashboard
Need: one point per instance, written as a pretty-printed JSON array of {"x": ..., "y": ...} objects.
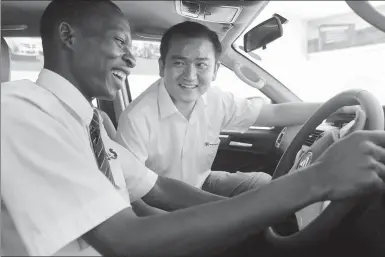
[{"x": 334, "y": 122}]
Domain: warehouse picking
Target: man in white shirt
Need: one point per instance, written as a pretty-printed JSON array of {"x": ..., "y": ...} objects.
[
  {"x": 54, "y": 159},
  {"x": 174, "y": 126},
  {"x": 66, "y": 185}
]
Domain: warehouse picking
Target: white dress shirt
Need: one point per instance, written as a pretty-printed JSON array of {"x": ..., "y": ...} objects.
[
  {"x": 52, "y": 188},
  {"x": 161, "y": 137}
]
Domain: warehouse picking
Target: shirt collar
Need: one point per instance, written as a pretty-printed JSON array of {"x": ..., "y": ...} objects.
[
  {"x": 204, "y": 98},
  {"x": 66, "y": 92},
  {"x": 166, "y": 105}
]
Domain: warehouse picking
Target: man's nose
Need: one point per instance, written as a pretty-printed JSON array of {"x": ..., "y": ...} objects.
[
  {"x": 129, "y": 58},
  {"x": 190, "y": 72}
]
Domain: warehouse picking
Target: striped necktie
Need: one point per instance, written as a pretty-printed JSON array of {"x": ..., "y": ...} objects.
[{"x": 98, "y": 147}]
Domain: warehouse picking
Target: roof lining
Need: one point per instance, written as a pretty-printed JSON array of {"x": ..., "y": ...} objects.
[{"x": 20, "y": 13}]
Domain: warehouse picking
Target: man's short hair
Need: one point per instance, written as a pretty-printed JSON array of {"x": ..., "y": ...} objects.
[
  {"x": 74, "y": 11},
  {"x": 189, "y": 29}
]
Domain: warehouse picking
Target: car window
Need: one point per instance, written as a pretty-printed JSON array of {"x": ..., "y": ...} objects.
[
  {"x": 325, "y": 49},
  {"x": 228, "y": 81},
  {"x": 27, "y": 60},
  {"x": 26, "y": 57},
  {"x": 146, "y": 71}
]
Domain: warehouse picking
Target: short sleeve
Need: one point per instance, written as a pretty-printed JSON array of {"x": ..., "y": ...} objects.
[
  {"x": 240, "y": 113},
  {"x": 139, "y": 180},
  {"x": 133, "y": 134},
  {"x": 52, "y": 191}
]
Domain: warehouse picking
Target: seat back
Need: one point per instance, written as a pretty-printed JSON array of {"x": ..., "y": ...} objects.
[
  {"x": 108, "y": 125},
  {"x": 5, "y": 61}
]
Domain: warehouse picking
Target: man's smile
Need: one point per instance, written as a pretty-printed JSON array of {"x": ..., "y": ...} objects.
[
  {"x": 188, "y": 86},
  {"x": 120, "y": 74}
]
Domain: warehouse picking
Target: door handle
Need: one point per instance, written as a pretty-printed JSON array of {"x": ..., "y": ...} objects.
[{"x": 240, "y": 144}]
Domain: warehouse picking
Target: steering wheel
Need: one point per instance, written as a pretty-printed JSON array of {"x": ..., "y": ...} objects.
[
  {"x": 367, "y": 12},
  {"x": 331, "y": 213}
]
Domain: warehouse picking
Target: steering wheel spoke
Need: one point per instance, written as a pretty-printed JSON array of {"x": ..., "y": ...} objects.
[
  {"x": 317, "y": 220},
  {"x": 304, "y": 158}
]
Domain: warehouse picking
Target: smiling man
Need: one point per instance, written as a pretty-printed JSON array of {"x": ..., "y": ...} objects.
[
  {"x": 65, "y": 192},
  {"x": 174, "y": 126},
  {"x": 58, "y": 136}
]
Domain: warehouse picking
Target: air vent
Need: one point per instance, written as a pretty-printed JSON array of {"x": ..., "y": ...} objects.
[{"x": 317, "y": 134}]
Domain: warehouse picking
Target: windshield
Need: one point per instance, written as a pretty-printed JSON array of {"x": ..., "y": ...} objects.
[{"x": 325, "y": 49}]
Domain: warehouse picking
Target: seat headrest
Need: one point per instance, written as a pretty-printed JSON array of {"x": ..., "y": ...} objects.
[{"x": 5, "y": 61}]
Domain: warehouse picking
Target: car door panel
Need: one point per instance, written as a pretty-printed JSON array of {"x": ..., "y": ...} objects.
[{"x": 250, "y": 151}]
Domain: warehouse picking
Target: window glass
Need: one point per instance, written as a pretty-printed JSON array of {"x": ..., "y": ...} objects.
[
  {"x": 26, "y": 57},
  {"x": 27, "y": 61},
  {"x": 228, "y": 81},
  {"x": 340, "y": 31},
  {"x": 146, "y": 71},
  {"x": 325, "y": 49}
]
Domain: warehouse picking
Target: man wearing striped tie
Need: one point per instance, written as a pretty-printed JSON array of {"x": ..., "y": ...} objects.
[{"x": 63, "y": 194}]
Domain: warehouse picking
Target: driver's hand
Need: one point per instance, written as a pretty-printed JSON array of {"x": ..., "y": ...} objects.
[
  {"x": 353, "y": 165},
  {"x": 348, "y": 109},
  {"x": 357, "y": 124}
]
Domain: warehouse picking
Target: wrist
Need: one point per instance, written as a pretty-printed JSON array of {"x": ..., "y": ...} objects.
[{"x": 319, "y": 187}]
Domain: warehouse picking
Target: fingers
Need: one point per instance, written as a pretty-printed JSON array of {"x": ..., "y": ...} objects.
[
  {"x": 379, "y": 153},
  {"x": 349, "y": 109},
  {"x": 376, "y": 136},
  {"x": 375, "y": 151},
  {"x": 378, "y": 167},
  {"x": 381, "y": 170},
  {"x": 360, "y": 120},
  {"x": 357, "y": 124},
  {"x": 378, "y": 161}
]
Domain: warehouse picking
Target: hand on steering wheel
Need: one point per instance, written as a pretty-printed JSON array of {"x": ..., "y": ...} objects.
[
  {"x": 311, "y": 212},
  {"x": 341, "y": 187}
]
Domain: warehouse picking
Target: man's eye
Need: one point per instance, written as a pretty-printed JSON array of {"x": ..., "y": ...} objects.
[
  {"x": 177, "y": 63},
  {"x": 201, "y": 65},
  {"x": 119, "y": 40}
]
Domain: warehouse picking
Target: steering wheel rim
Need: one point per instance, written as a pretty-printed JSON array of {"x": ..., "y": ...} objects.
[
  {"x": 320, "y": 227},
  {"x": 367, "y": 12}
]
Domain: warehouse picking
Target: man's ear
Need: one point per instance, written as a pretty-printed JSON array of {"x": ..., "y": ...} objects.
[
  {"x": 66, "y": 34},
  {"x": 161, "y": 67},
  {"x": 216, "y": 68}
]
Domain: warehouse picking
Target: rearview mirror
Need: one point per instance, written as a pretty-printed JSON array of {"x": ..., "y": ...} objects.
[{"x": 263, "y": 34}]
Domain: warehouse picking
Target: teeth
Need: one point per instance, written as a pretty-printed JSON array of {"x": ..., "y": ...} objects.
[
  {"x": 188, "y": 86},
  {"x": 119, "y": 74}
]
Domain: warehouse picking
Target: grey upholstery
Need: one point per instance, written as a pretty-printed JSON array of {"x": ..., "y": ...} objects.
[
  {"x": 5, "y": 61},
  {"x": 108, "y": 125}
]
